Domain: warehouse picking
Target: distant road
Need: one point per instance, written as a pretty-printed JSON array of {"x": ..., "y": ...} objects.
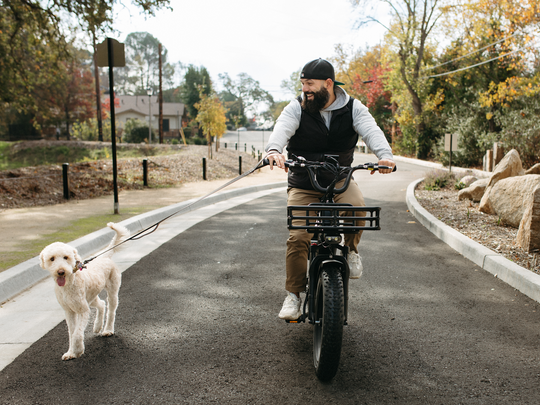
[{"x": 247, "y": 140}]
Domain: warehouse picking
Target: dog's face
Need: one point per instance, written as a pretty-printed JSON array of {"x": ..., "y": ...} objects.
[{"x": 59, "y": 259}]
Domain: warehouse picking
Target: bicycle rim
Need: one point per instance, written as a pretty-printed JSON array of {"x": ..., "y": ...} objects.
[{"x": 328, "y": 331}]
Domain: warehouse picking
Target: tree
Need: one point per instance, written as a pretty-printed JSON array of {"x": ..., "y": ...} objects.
[
  {"x": 190, "y": 90},
  {"x": 365, "y": 78},
  {"x": 246, "y": 92},
  {"x": 211, "y": 117},
  {"x": 33, "y": 44},
  {"x": 142, "y": 65},
  {"x": 412, "y": 24},
  {"x": 292, "y": 85}
]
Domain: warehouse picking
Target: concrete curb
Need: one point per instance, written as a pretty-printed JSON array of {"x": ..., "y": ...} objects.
[
  {"x": 516, "y": 276},
  {"x": 23, "y": 276}
]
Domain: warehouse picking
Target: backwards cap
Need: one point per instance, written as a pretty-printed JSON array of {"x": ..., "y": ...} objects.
[{"x": 319, "y": 69}]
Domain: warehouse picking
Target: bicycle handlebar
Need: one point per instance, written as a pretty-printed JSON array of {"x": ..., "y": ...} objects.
[{"x": 333, "y": 167}]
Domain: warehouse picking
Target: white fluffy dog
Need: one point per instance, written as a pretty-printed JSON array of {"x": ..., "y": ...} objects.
[{"x": 77, "y": 288}]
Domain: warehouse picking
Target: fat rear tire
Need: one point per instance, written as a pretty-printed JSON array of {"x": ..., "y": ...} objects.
[{"x": 328, "y": 332}]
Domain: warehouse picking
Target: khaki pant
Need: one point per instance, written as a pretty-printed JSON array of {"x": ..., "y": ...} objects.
[{"x": 299, "y": 239}]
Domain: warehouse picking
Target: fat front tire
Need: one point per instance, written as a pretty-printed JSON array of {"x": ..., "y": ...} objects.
[{"x": 329, "y": 317}]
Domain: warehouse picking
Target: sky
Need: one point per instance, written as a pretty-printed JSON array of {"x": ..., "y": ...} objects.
[{"x": 268, "y": 40}]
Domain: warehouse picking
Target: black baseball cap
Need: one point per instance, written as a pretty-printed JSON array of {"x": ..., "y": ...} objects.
[{"x": 319, "y": 69}]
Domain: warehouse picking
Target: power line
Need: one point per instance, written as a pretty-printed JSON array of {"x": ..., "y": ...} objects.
[
  {"x": 472, "y": 66},
  {"x": 471, "y": 53}
]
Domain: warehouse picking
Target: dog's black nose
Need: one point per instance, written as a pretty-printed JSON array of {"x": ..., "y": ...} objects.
[{"x": 61, "y": 273}]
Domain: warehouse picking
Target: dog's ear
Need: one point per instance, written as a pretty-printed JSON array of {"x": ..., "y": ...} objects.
[
  {"x": 42, "y": 259},
  {"x": 76, "y": 255}
]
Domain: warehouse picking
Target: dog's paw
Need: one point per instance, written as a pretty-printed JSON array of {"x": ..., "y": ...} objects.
[
  {"x": 107, "y": 333},
  {"x": 70, "y": 356},
  {"x": 97, "y": 329}
]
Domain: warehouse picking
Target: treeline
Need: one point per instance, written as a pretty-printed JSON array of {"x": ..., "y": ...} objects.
[
  {"x": 466, "y": 67},
  {"x": 47, "y": 74}
]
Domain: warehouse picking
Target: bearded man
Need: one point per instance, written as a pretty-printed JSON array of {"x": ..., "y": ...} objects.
[{"x": 323, "y": 120}]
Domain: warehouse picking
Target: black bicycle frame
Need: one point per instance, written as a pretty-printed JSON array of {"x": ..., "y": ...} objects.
[{"x": 327, "y": 222}]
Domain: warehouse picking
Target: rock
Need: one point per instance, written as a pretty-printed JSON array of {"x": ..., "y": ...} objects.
[
  {"x": 528, "y": 236},
  {"x": 475, "y": 191},
  {"x": 534, "y": 170},
  {"x": 468, "y": 180},
  {"x": 509, "y": 166},
  {"x": 508, "y": 195}
]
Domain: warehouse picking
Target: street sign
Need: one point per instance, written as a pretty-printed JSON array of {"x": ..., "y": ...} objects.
[
  {"x": 102, "y": 53},
  {"x": 451, "y": 142}
]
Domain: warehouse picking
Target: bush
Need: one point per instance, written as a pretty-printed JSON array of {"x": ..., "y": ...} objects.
[
  {"x": 520, "y": 128},
  {"x": 197, "y": 141},
  {"x": 138, "y": 135},
  {"x": 438, "y": 179},
  {"x": 88, "y": 130}
]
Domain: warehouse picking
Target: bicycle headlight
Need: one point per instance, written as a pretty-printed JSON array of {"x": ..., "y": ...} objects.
[{"x": 332, "y": 239}]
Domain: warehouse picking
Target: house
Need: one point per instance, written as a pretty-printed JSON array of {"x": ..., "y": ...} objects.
[{"x": 139, "y": 107}]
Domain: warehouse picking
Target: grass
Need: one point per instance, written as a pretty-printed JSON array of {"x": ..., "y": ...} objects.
[
  {"x": 39, "y": 155},
  {"x": 74, "y": 230}
]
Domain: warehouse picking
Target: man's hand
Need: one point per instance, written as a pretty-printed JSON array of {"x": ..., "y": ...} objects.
[
  {"x": 278, "y": 158},
  {"x": 386, "y": 162}
]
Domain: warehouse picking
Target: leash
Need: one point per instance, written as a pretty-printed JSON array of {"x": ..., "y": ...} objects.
[{"x": 152, "y": 228}]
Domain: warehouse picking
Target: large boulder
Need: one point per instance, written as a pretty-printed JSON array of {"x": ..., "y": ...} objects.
[
  {"x": 468, "y": 180},
  {"x": 475, "y": 191},
  {"x": 534, "y": 170},
  {"x": 507, "y": 197},
  {"x": 509, "y": 166},
  {"x": 528, "y": 236}
]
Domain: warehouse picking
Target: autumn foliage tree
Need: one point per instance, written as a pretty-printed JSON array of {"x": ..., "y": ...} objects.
[{"x": 211, "y": 117}]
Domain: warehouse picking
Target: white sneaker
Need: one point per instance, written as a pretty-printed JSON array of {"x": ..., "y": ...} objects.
[
  {"x": 291, "y": 308},
  {"x": 355, "y": 265}
]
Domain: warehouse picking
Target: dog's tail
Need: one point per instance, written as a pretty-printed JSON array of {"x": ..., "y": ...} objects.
[{"x": 122, "y": 233}]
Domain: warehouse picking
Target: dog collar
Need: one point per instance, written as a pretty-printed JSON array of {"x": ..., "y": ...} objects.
[{"x": 78, "y": 266}]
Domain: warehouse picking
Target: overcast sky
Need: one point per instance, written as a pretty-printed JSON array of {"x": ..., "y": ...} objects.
[{"x": 268, "y": 40}]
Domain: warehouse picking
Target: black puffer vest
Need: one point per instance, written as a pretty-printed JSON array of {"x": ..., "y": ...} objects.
[{"x": 313, "y": 140}]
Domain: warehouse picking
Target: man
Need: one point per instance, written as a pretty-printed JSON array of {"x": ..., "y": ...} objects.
[{"x": 323, "y": 120}]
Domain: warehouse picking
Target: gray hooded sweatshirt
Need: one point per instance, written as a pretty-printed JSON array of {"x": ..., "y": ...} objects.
[{"x": 364, "y": 124}]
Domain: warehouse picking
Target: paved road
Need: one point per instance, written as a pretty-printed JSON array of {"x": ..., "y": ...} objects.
[
  {"x": 197, "y": 324},
  {"x": 247, "y": 140}
]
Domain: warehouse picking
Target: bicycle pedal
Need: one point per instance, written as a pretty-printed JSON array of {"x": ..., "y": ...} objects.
[{"x": 299, "y": 320}]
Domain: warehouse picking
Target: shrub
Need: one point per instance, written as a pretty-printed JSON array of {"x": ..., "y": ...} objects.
[{"x": 438, "y": 179}]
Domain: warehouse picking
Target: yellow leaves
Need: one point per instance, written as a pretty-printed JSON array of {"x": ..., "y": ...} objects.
[
  {"x": 211, "y": 116},
  {"x": 489, "y": 116},
  {"x": 505, "y": 92}
]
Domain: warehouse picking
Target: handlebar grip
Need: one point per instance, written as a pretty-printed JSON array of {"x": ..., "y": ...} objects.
[
  {"x": 387, "y": 167},
  {"x": 266, "y": 162}
]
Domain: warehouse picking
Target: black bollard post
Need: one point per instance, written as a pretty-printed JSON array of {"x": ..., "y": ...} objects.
[
  {"x": 225, "y": 145},
  {"x": 145, "y": 172},
  {"x": 204, "y": 168},
  {"x": 65, "y": 167},
  {"x": 245, "y": 147},
  {"x": 239, "y": 164}
]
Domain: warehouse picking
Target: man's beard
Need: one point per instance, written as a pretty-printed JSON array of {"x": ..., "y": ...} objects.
[{"x": 320, "y": 98}]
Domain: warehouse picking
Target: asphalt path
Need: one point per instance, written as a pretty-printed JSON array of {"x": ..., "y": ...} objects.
[{"x": 197, "y": 323}]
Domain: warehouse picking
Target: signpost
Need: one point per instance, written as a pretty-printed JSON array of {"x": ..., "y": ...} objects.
[
  {"x": 450, "y": 144},
  {"x": 111, "y": 53}
]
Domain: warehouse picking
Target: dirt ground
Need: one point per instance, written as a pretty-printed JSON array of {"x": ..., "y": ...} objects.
[
  {"x": 43, "y": 185},
  {"x": 485, "y": 229}
]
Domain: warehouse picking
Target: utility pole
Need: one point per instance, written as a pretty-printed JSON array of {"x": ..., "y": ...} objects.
[
  {"x": 160, "y": 96},
  {"x": 98, "y": 90}
]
